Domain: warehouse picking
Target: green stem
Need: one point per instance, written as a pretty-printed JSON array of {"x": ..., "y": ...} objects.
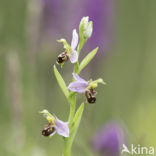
[
  {"x": 68, "y": 141},
  {"x": 67, "y": 147},
  {"x": 72, "y": 102}
]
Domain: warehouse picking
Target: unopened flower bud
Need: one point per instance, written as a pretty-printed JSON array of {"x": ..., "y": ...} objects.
[{"x": 86, "y": 28}]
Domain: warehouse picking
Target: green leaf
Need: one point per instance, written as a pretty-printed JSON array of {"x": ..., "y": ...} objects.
[
  {"x": 61, "y": 82},
  {"x": 87, "y": 59},
  {"x": 78, "y": 115},
  {"x": 76, "y": 121},
  {"x": 73, "y": 130}
]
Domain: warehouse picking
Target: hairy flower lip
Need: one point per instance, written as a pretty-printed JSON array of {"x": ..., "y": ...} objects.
[
  {"x": 49, "y": 130},
  {"x": 63, "y": 57},
  {"x": 90, "y": 95}
]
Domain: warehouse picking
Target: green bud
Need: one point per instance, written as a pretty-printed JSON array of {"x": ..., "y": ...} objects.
[
  {"x": 85, "y": 28},
  {"x": 89, "y": 30}
]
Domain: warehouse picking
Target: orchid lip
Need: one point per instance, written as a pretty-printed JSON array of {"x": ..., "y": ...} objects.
[
  {"x": 63, "y": 57},
  {"x": 48, "y": 130},
  {"x": 90, "y": 95}
]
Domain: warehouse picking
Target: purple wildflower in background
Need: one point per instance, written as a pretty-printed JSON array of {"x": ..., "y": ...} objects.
[
  {"x": 58, "y": 18},
  {"x": 52, "y": 17},
  {"x": 54, "y": 126},
  {"x": 86, "y": 87},
  {"x": 101, "y": 12},
  {"x": 109, "y": 140}
]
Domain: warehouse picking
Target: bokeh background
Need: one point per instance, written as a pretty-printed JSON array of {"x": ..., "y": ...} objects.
[{"x": 125, "y": 32}]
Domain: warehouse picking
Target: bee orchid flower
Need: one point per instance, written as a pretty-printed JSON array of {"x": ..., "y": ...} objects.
[
  {"x": 70, "y": 51},
  {"x": 54, "y": 126},
  {"x": 86, "y": 87}
]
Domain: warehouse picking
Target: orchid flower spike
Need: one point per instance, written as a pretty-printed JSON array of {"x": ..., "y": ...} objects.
[
  {"x": 86, "y": 87},
  {"x": 70, "y": 51},
  {"x": 54, "y": 125}
]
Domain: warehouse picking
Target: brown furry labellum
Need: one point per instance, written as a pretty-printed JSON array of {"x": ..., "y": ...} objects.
[
  {"x": 90, "y": 95},
  {"x": 63, "y": 57},
  {"x": 48, "y": 130}
]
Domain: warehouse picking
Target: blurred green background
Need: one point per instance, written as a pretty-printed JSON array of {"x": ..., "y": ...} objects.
[{"x": 28, "y": 85}]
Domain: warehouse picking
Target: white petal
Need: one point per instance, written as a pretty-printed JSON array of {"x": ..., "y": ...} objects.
[
  {"x": 75, "y": 39},
  {"x": 73, "y": 56},
  {"x": 62, "y": 128},
  {"x": 78, "y": 87},
  {"x": 78, "y": 78}
]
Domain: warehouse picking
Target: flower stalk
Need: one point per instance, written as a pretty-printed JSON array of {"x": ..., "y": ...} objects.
[
  {"x": 72, "y": 101},
  {"x": 78, "y": 85}
]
